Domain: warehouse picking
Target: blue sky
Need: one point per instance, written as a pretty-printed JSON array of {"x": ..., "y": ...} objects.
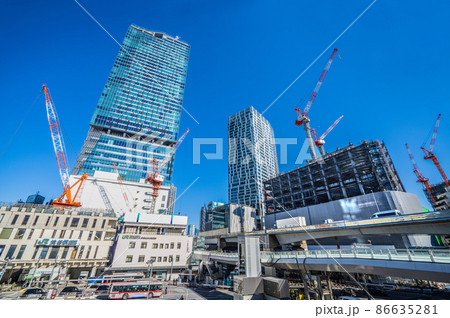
[{"x": 390, "y": 83}]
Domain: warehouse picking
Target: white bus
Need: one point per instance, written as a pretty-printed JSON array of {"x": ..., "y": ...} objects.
[
  {"x": 122, "y": 278},
  {"x": 135, "y": 290}
]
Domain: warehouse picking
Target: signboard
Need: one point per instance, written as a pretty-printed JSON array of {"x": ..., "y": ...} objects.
[
  {"x": 53, "y": 242},
  {"x": 137, "y": 237}
]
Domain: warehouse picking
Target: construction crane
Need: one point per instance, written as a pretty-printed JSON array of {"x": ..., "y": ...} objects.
[
  {"x": 302, "y": 118},
  {"x": 66, "y": 199},
  {"x": 155, "y": 178},
  {"x": 319, "y": 141},
  {"x": 420, "y": 177},
  {"x": 122, "y": 186},
  {"x": 429, "y": 155}
]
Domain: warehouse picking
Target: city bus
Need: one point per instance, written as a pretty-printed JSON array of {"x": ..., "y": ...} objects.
[
  {"x": 122, "y": 278},
  {"x": 135, "y": 290}
]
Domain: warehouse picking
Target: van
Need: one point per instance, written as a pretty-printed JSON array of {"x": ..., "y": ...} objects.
[{"x": 386, "y": 214}]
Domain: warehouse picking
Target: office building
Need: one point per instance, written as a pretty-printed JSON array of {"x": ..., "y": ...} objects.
[
  {"x": 159, "y": 238},
  {"x": 205, "y": 213},
  {"x": 47, "y": 243},
  {"x": 138, "y": 114},
  {"x": 252, "y": 157}
]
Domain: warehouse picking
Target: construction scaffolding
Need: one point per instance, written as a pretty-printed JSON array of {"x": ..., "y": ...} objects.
[
  {"x": 441, "y": 194},
  {"x": 344, "y": 173}
]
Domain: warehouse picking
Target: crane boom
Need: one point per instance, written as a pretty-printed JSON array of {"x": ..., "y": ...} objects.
[
  {"x": 435, "y": 130},
  {"x": 331, "y": 128},
  {"x": 319, "y": 141},
  {"x": 172, "y": 152},
  {"x": 420, "y": 177},
  {"x": 61, "y": 158}
]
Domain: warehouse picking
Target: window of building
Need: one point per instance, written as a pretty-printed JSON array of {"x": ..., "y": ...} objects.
[
  {"x": 25, "y": 220},
  {"x": 159, "y": 259},
  {"x": 2, "y": 216},
  {"x": 74, "y": 253},
  {"x": 35, "y": 252},
  {"x": 165, "y": 259},
  {"x": 166, "y": 246},
  {"x": 56, "y": 221},
  {"x": 170, "y": 259},
  {"x": 88, "y": 251},
  {"x": 44, "y": 252},
  {"x": 36, "y": 219},
  {"x": 155, "y": 245},
  {"x": 177, "y": 258},
  {"x": 48, "y": 221},
  {"x": 103, "y": 224},
  {"x": 143, "y": 244},
  {"x": 109, "y": 236},
  {"x": 53, "y": 253},
  {"x": 94, "y": 223},
  {"x": 75, "y": 222},
  {"x": 85, "y": 222},
  {"x": 14, "y": 220},
  {"x": 81, "y": 234},
  {"x": 66, "y": 222},
  {"x": 11, "y": 251},
  {"x": 19, "y": 234},
  {"x": 161, "y": 245},
  {"x": 95, "y": 253},
  {"x": 63, "y": 232},
  {"x": 131, "y": 244},
  {"x": 71, "y": 234},
  {"x": 178, "y": 245},
  {"x": 172, "y": 245},
  {"x": 98, "y": 236},
  {"x": 64, "y": 253},
  {"x": 80, "y": 253},
  {"x": 6, "y": 233},
  {"x": 128, "y": 259},
  {"x": 141, "y": 259},
  {"x": 89, "y": 236},
  {"x": 54, "y": 233},
  {"x": 31, "y": 233},
  {"x": 42, "y": 233}
]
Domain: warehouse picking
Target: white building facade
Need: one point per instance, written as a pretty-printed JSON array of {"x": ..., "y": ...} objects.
[{"x": 252, "y": 157}]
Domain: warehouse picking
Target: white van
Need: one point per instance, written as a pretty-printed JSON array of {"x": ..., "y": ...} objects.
[{"x": 386, "y": 214}]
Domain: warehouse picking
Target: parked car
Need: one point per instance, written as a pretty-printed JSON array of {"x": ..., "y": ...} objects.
[
  {"x": 348, "y": 298},
  {"x": 386, "y": 214},
  {"x": 102, "y": 290},
  {"x": 33, "y": 293},
  {"x": 71, "y": 291}
]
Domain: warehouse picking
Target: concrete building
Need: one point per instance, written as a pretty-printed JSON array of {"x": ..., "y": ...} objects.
[
  {"x": 138, "y": 114},
  {"x": 205, "y": 213},
  {"x": 102, "y": 191},
  {"x": 161, "y": 238},
  {"x": 344, "y": 173},
  {"x": 47, "y": 242},
  {"x": 441, "y": 195},
  {"x": 191, "y": 230},
  {"x": 252, "y": 157}
]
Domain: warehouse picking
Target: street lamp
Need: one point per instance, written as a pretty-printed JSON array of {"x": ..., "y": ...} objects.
[{"x": 150, "y": 273}]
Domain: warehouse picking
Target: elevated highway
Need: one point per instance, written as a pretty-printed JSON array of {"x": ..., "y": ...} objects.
[{"x": 431, "y": 265}]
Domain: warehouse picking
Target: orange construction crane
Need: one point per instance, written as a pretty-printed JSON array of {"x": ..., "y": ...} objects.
[
  {"x": 319, "y": 141},
  {"x": 420, "y": 177},
  {"x": 66, "y": 199},
  {"x": 155, "y": 178},
  {"x": 302, "y": 118},
  {"x": 429, "y": 155}
]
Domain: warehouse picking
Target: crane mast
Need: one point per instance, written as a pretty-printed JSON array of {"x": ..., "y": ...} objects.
[
  {"x": 61, "y": 158},
  {"x": 155, "y": 178},
  {"x": 429, "y": 155},
  {"x": 302, "y": 118},
  {"x": 420, "y": 177}
]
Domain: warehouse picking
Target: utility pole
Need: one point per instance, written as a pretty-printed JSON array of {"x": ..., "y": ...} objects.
[{"x": 150, "y": 273}]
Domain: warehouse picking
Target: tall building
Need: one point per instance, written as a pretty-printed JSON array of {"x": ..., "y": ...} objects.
[
  {"x": 137, "y": 117},
  {"x": 203, "y": 218},
  {"x": 206, "y": 212},
  {"x": 252, "y": 157}
]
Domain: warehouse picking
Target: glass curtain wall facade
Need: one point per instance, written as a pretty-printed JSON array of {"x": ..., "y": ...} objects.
[
  {"x": 138, "y": 115},
  {"x": 252, "y": 157}
]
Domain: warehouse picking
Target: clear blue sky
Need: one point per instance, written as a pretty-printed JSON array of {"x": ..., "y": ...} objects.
[{"x": 390, "y": 83}]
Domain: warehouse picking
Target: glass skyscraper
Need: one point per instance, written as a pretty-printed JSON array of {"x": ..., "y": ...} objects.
[
  {"x": 138, "y": 115},
  {"x": 252, "y": 157}
]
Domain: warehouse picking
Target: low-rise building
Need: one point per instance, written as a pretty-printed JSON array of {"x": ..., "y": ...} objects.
[
  {"x": 47, "y": 242},
  {"x": 160, "y": 239}
]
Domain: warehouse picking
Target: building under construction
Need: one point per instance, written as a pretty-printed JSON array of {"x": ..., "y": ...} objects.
[
  {"x": 441, "y": 195},
  {"x": 344, "y": 173}
]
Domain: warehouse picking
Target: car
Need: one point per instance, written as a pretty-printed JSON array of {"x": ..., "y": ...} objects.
[
  {"x": 102, "y": 290},
  {"x": 33, "y": 293},
  {"x": 376, "y": 291},
  {"x": 328, "y": 221},
  {"x": 348, "y": 298},
  {"x": 71, "y": 291},
  {"x": 386, "y": 214}
]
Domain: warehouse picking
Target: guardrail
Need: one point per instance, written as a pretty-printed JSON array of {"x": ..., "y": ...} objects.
[{"x": 429, "y": 256}]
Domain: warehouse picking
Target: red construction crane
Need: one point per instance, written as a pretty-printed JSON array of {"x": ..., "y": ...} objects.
[
  {"x": 155, "y": 178},
  {"x": 420, "y": 177},
  {"x": 430, "y": 155},
  {"x": 319, "y": 141},
  {"x": 302, "y": 118},
  {"x": 66, "y": 199}
]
